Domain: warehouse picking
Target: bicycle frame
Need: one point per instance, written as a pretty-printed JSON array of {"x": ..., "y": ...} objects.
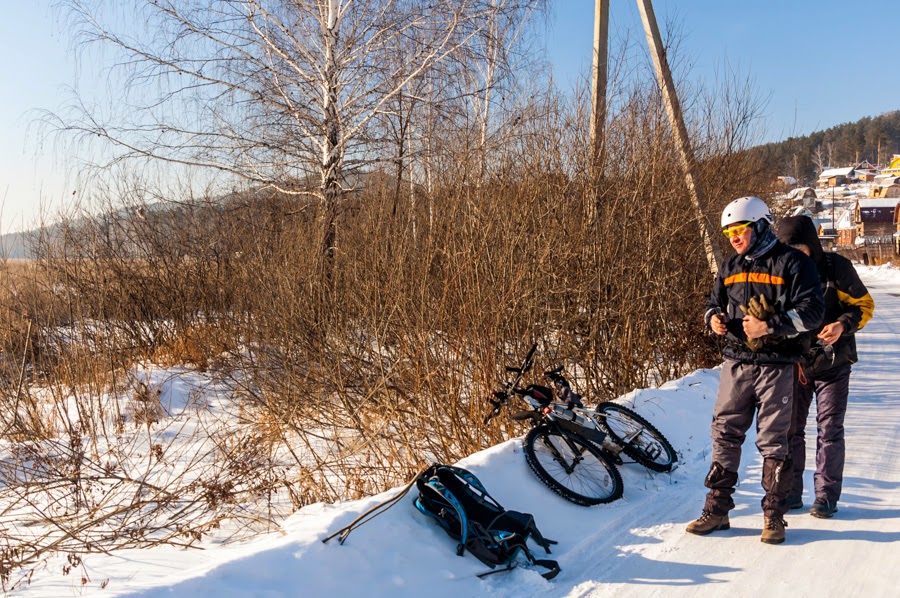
[
  {"x": 563, "y": 449},
  {"x": 591, "y": 419},
  {"x": 576, "y": 420},
  {"x": 574, "y": 450}
]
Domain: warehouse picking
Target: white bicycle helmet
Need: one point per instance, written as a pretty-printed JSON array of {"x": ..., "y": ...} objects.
[{"x": 746, "y": 209}]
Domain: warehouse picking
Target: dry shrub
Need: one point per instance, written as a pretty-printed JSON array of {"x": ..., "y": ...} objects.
[
  {"x": 199, "y": 344},
  {"x": 387, "y": 347},
  {"x": 350, "y": 369},
  {"x": 144, "y": 407}
]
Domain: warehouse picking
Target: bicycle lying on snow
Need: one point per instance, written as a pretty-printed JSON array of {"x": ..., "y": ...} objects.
[{"x": 574, "y": 450}]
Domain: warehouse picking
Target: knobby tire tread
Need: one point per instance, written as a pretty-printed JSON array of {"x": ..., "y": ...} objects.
[
  {"x": 632, "y": 451},
  {"x": 537, "y": 434}
]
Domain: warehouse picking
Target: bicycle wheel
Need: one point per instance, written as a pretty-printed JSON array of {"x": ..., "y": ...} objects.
[
  {"x": 572, "y": 467},
  {"x": 637, "y": 437}
]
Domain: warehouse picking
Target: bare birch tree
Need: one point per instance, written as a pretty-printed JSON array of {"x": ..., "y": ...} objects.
[
  {"x": 819, "y": 159},
  {"x": 280, "y": 93}
]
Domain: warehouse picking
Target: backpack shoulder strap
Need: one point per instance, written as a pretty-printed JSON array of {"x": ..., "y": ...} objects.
[
  {"x": 444, "y": 495},
  {"x": 523, "y": 524},
  {"x": 553, "y": 567}
]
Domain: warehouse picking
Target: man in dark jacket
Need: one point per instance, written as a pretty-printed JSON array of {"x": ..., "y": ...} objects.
[
  {"x": 777, "y": 287},
  {"x": 826, "y": 368}
]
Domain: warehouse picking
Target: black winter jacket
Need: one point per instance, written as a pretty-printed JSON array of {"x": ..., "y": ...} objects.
[
  {"x": 846, "y": 298},
  {"x": 790, "y": 283}
]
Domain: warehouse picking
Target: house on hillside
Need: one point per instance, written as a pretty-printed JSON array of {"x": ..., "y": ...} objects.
[
  {"x": 874, "y": 219},
  {"x": 890, "y": 191},
  {"x": 784, "y": 183},
  {"x": 886, "y": 186},
  {"x": 802, "y": 193},
  {"x": 833, "y": 177},
  {"x": 801, "y": 211},
  {"x": 824, "y": 228},
  {"x": 897, "y": 228},
  {"x": 893, "y": 169},
  {"x": 804, "y": 197},
  {"x": 865, "y": 172},
  {"x": 828, "y": 237},
  {"x": 835, "y": 228}
]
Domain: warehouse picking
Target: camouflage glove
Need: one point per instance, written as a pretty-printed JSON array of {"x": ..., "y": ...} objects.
[{"x": 761, "y": 310}]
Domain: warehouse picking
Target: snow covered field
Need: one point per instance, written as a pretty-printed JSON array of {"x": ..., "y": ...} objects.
[{"x": 633, "y": 547}]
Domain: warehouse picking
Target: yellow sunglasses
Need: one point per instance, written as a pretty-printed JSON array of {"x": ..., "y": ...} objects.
[{"x": 735, "y": 230}]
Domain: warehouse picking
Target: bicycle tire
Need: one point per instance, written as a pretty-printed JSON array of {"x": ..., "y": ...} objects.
[
  {"x": 593, "y": 479},
  {"x": 649, "y": 448}
]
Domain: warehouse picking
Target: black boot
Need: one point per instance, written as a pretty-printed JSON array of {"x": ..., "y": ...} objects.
[{"x": 823, "y": 508}]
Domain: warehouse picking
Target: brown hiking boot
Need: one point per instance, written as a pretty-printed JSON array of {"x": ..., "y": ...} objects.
[
  {"x": 773, "y": 530},
  {"x": 708, "y": 523}
]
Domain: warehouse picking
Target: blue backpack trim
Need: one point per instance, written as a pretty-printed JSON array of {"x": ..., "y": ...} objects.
[{"x": 457, "y": 500}]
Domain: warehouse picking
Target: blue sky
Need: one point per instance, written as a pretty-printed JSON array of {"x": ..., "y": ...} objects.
[{"x": 817, "y": 63}]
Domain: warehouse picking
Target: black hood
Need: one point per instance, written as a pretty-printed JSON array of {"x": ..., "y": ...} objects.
[{"x": 800, "y": 230}]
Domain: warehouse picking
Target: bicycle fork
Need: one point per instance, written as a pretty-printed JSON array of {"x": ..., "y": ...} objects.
[{"x": 560, "y": 458}]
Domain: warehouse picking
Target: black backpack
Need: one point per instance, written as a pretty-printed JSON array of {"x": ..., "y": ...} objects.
[{"x": 457, "y": 500}]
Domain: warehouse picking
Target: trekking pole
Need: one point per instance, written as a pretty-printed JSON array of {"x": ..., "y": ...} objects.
[{"x": 370, "y": 513}]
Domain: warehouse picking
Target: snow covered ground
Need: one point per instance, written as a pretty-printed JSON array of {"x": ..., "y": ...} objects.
[{"x": 633, "y": 547}]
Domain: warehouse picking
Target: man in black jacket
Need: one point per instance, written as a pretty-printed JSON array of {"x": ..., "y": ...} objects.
[
  {"x": 826, "y": 368},
  {"x": 764, "y": 301}
]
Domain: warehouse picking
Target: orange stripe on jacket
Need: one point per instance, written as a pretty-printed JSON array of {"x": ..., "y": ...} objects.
[{"x": 760, "y": 277}]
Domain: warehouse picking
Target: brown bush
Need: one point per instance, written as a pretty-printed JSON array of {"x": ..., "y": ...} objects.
[{"x": 348, "y": 370}]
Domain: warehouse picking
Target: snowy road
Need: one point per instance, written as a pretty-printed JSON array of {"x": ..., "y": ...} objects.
[{"x": 861, "y": 543}]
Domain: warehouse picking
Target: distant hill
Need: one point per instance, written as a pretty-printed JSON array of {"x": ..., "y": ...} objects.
[
  {"x": 874, "y": 139},
  {"x": 17, "y": 246}
]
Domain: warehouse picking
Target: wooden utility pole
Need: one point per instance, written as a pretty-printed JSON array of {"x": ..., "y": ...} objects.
[
  {"x": 673, "y": 108},
  {"x": 598, "y": 79}
]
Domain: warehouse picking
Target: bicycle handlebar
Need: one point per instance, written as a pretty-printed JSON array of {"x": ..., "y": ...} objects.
[
  {"x": 501, "y": 396},
  {"x": 555, "y": 375}
]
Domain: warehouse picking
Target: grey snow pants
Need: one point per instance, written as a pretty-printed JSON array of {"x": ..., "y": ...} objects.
[
  {"x": 831, "y": 389},
  {"x": 746, "y": 390}
]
